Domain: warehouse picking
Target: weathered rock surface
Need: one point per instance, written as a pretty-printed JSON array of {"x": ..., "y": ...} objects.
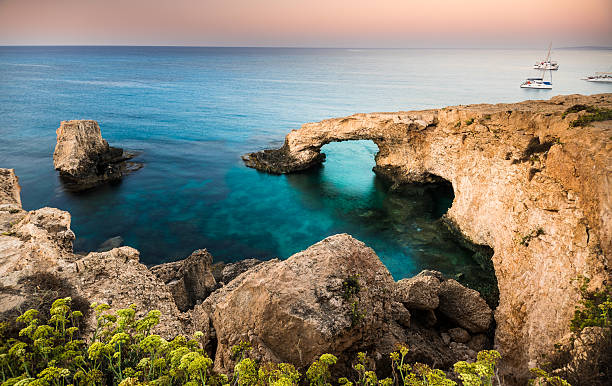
[
  {"x": 10, "y": 200},
  {"x": 526, "y": 184},
  {"x": 298, "y": 308},
  {"x": 84, "y": 159},
  {"x": 226, "y": 272},
  {"x": 464, "y": 306},
  {"x": 190, "y": 280},
  {"x": 9, "y": 189},
  {"x": 420, "y": 292}
]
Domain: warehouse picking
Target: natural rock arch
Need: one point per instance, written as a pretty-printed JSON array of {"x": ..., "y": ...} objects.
[{"x": 525, "y": 185}]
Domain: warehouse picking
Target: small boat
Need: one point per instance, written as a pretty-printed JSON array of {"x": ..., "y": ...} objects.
[
  {"x": 546, "y": 64},
  {"x": 536, "y": 83},
  {"x": 602, "y": 77}
]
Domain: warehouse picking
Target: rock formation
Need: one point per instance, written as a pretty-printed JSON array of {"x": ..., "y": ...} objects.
[
  {"x": 336, "y": 297},
  {"x": 526, "y": 183},
  {"x": 84, "y": 159},
  {"x": 190, "y": 280}
]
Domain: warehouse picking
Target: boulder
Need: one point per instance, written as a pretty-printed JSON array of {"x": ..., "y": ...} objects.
[
  {"x": 459, "y": 335},
  {"x": 464, "y": 306},
  {"x": 326, "y": 299},
  {"x": 84, "y": 159},
  {"x": 44, "y": 225},
  {"x": 190, "y": 280},
  {"x": 419, "y": 292},
  {"x": 118, "y": 278}
]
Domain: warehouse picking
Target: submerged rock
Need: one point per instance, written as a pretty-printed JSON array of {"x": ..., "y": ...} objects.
[
  {"x": 113, "y": 242},
  {"x": 84, "y": 159}
]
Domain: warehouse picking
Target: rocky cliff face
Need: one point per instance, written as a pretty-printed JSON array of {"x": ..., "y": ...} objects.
[
  {"x": 84, "y": 159},
  {"x": 526, "y": 183}
]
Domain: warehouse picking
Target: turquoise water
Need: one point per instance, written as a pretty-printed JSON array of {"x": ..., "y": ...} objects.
[{"x": 193, "y": 111}]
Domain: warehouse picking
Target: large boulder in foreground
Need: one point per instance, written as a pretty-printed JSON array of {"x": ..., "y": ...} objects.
[
  {"x": 84, "y": 159},
  {"x": 328, "y": 298}
]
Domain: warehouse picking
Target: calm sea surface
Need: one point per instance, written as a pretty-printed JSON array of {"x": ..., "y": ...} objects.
[{"x": 193, "y": 111}]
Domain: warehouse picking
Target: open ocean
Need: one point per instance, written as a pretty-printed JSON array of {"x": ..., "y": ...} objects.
[{"x": 193, "y": 112}]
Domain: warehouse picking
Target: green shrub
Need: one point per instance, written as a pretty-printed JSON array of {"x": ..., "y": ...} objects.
[
  {"x": 594, "y": 308},
  {"x": 593, "y": 115}
]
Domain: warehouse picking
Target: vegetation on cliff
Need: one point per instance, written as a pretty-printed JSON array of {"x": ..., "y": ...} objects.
[{"x": 123, "y": 351}]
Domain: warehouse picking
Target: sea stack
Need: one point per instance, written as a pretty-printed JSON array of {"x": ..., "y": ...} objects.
[{"x": 84, "y": 159}]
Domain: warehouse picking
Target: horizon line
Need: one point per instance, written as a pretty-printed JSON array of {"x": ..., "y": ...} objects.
[{"x": 305, "y": 47}]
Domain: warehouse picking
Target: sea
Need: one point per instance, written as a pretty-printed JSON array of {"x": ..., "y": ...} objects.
[{"x": 191, "y": 112}]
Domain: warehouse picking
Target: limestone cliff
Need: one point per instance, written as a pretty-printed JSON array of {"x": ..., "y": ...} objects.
[
  {"x": 84, "y": 159},
  {"x": 526, "y": 183}
]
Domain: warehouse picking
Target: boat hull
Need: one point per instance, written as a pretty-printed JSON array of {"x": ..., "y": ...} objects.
[
  {"x": 599, "y": 80},
  {"x": 538, "y": 86}
]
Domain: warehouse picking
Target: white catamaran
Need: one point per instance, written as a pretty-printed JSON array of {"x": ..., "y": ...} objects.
[
  {"x": 537, "y": 83},
  {"x": 603, "y": 77},
  {"x": 547, "y": 64}
]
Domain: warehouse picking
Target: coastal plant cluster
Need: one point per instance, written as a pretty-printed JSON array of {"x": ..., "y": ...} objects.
[
  {"x": 592, "y": 314},
  {"x": 593, "y": 114},
  {"x": 123, "y": 351}
]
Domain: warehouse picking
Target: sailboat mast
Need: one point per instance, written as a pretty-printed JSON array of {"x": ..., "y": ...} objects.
[{"x": 548, "y": 56}]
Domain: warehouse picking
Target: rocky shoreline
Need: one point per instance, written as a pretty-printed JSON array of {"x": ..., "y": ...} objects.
[{"x": 527, "y": 185}]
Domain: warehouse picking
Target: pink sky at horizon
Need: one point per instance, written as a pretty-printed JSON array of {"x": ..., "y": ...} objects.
[{"x": 311, "y": 23}]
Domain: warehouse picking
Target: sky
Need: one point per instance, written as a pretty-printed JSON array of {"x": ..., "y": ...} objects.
[{"x": 308, "y": 23}]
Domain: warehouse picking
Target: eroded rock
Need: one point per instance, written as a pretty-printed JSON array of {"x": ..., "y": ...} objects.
[
  {"x": 84, "y": 159},
  {"x": 419, "y": 292},
  {"x": 299, "y": 308},
  {"x": 464, "y": 306},
  {"x": 190, "y": 280}
]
